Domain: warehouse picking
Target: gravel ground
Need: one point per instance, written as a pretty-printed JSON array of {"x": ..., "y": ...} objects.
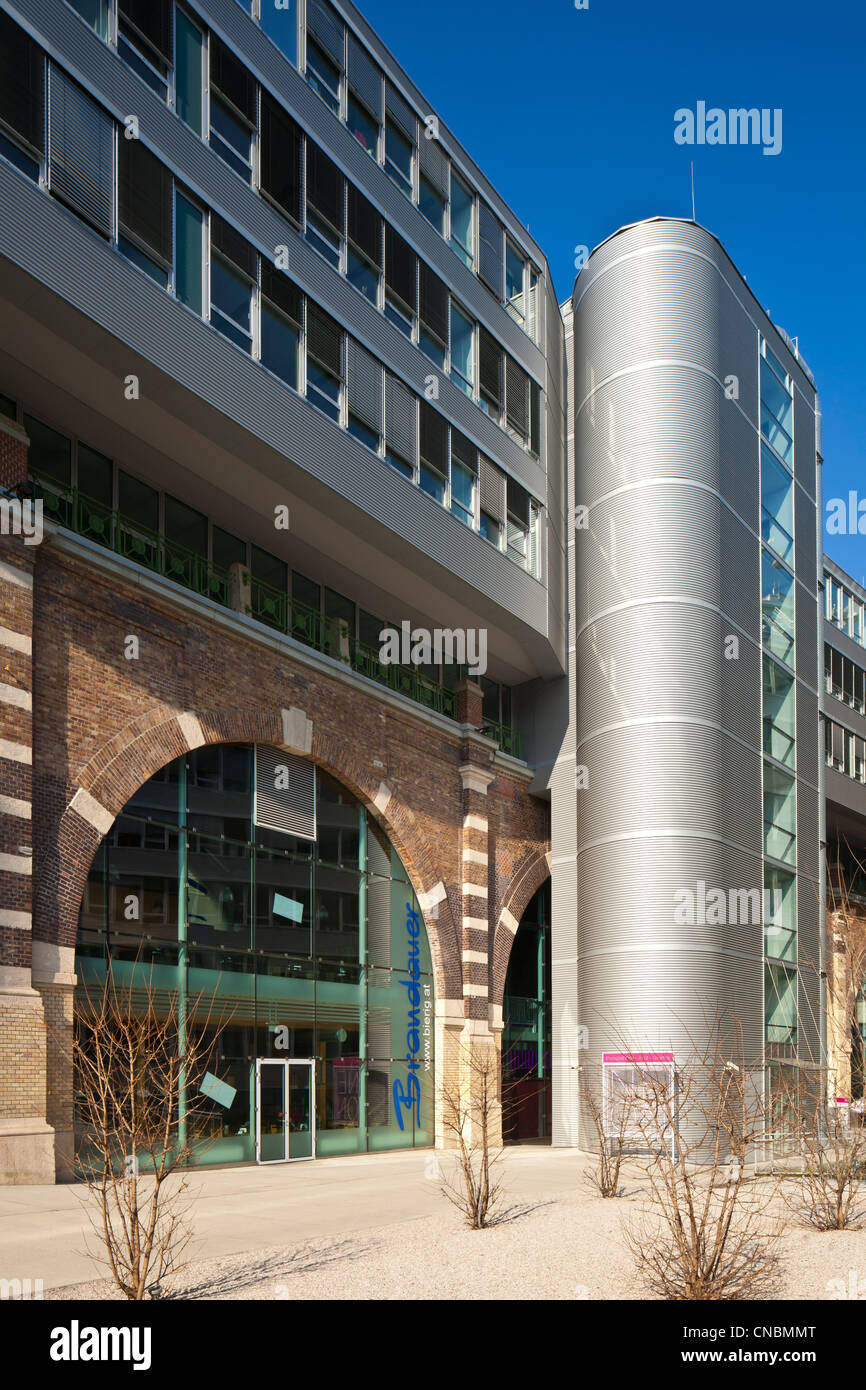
[{"x": 558, "y": 1247}]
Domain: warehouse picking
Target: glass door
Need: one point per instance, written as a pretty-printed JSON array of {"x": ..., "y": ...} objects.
[
  {"x": 285, "y": 1110},
  {"x": 302, "y": 1113}
]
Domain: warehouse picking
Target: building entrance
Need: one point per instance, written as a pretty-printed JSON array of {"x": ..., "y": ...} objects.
[{"x": 285, "y": 1110}]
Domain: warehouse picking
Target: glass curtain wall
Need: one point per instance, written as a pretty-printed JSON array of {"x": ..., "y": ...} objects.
[
  {"x": 307, "y": 949},
  {"x": 526, "y": 1037}
]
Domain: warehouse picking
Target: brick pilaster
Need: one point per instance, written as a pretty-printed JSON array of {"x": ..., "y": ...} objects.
[{"x": 26, "y": 1140}]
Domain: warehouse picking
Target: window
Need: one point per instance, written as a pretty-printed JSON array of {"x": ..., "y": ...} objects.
[
  {"x": 401, "y": 426},
  {"x": 364, "y": 385},
  {"x": 401, "y": 281},
  {"x": 362, "y": 125},
  {"x": 226, "y": 549},
  {"x": 282, "y": 310},
  {"x": 491, "y": 239},
  {"x": 777, "y": 505},
  {"x": 780, "y": 1004},
  {"x": 492, "y": 481},
  {"x": 94, "y": 13},
  {"x": 364, "y": 245},
  {"x": 535, "y": 561},
  {"x": 81, "y": 141},
  {"x": 462, "y": 220},
  {"x": 281, "y": 145},
  {"x": 50, "y": 453},
  {"x": 834, "y": 745},
  {"x": 232, "y": 276},
  {"x": 432, "y": 315},
  {"x": 233, "y": 105},
  {"x": 777, "y": 406},
  {"x": 462, "y": 350},
  {"x": 517, "y": 522},
  {"x": 532, "y": 321},
  {"x": 514, "y": 291},
  {"x": 780, "y": 814},
  {"x": 431, "y": 204},
  {"x": 434, "y": 453},
  {"x": 188, "y": 64},
  {"x": 398, "y": 157},
  {"x": 326, "y": 206},
  {"x": 777, "y": 608},
  {"x": 94, "y": 475},
  {"x": 189, "y": 228},
  {"x": 324, "y": 361},
  {"x": 780, "y": 914},
  {"x": 144, "y": 208},
  {"x": 22, "y": 98},
  {"x": 464, "y": 473},
  {"x": 490, "y": 373},
  {"x": 780, "y": 728},
  {"x": 516, "y": 400},
  {"x": 281, "y": 27},
  {"x": 323, "y": 75},
  {"x": 144, "y": 40}
]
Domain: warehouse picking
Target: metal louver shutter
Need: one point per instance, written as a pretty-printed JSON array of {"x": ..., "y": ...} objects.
[
  {"x": 233, "y": 246},
  {"x": 534, "y": 417},
  {"x": 324, "y": 340},
  {"x": 401, "y": 417},
  {"x": 231, "y": 79},
  {"x": 365, "y": 77},
  {"x": 326, "y": 187},
  {"x": 400, "y": 267},
  {"x": 364, "y": 225},
  {"x": 364, "y": 385},
  {"x": 281, "y": 157},
  {"x": 401, "y": 112},
  {"x": 464, "y": 451},
  {"x": 516, "y": 392},
  {"x": 326, "y": 26},
  {"x": 490, "y": 356},
  {"x": 152, "y": 19},
  {"x": 285, "y": 792},
  {"x": 144, "y": 199},
  {"x": 518, "y": 501},
  {"x": 492, "y": 489},
  {"x": 22, "y": 84},
  {"x": 280, "y": 290},
  {"x": 432, "y": 302},
  {"x": 491, "y": 255},
  {"x": 80, "y": 151},
  {"x": 434, "y": 162},
  {"x": 434, "y": 438}
]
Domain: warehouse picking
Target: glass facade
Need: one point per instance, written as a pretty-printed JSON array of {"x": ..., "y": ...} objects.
[
  {"x": 301, "y": 948},
  {"x": 526, "y": 1037}
]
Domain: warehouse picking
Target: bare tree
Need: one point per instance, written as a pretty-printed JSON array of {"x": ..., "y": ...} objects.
[
  {"x": 140, "y": 1056},
  {"x": 471, "y": 1108},
  {"x": 706, "y": 1231},
  {"x": 611, "y": 1133}
]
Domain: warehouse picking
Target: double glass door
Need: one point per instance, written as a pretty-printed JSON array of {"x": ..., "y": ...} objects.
[{"x": 285, "y": 1110}]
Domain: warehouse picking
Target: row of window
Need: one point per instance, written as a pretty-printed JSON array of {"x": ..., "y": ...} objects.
[
  {"x": 844, "y": 679},
  {"x": 844, "y": 751},
  {"x": 66, "y": 463},
  {"x": 210, "y": 89},
  {"x": 844, "y": 609},
  {"x": 213, "y": 270}
]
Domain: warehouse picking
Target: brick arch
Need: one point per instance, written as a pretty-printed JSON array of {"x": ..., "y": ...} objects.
[
  {"x": 126, "y": 761},
  {"x": 515, "y": 901}
]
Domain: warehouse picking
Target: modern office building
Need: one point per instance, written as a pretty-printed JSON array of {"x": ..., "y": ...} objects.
[{"x": 282, "y": 373}]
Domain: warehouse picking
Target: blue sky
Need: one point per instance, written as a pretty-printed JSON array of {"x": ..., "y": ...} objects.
[{"x": 570, "y": 115}]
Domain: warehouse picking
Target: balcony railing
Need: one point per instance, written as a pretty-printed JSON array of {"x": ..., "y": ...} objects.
[{"x": 72, "y": 509}]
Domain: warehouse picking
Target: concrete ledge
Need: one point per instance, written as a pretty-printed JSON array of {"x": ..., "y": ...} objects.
[{"x": 26, "y": 1151}]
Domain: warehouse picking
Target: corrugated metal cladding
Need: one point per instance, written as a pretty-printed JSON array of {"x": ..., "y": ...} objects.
[
  {"x": 285, "y": 792},
  {"x": 805, "y": 462},
  {"x": 131, "y": 307},
  {"x": 806, "y": 539},
  {"x": 667, "y": 461}
]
